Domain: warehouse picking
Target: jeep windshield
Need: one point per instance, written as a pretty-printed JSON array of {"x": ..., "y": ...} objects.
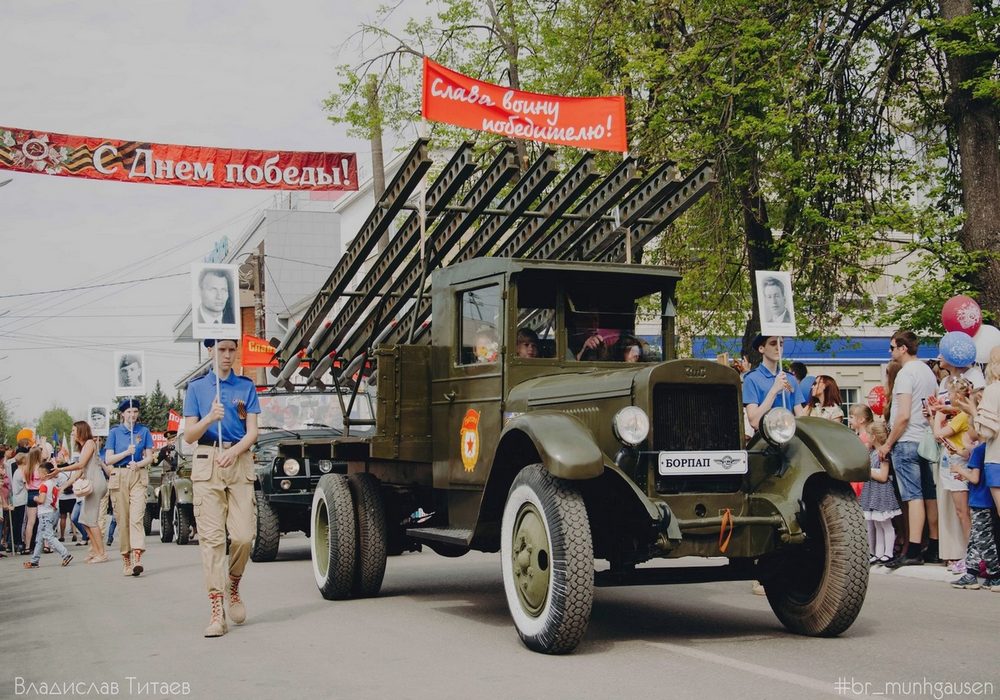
[
  {"x": 608, "y": 320},
  {"x": 295, "y": 412}
]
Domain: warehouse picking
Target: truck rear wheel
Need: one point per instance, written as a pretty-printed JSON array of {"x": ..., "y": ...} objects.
[
  {"x": 547, "y": 559},
  {"x": 166, "y": 525},
  {"x": 371, "y": 529},
  {"x": 184, "y": 522},
  {"x": 819, "y": 592},
  {"x": 265, "y": 543},
  {"x": 333, "y": 537},
  {"x": 147, "y": 521}
]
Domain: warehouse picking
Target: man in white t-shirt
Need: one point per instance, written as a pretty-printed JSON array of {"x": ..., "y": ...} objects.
[{"x": 914, "y": 384}]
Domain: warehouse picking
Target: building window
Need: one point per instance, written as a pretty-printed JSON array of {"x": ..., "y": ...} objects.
[{"x": 849, "y": 396}]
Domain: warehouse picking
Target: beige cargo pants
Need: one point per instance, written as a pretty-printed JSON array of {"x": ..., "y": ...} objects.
[
  {"x": 223, "y": 504},
  {"x": 128, "y": 488}
]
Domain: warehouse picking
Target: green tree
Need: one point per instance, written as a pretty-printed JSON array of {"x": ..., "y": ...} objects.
[
  {"x": 55, "y": 420},
  {"x": 8, "y": 426},
  {"x": 825, "y": 123}
]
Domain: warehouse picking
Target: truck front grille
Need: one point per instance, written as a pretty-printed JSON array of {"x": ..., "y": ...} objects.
[{"x": 692, "y": 418}]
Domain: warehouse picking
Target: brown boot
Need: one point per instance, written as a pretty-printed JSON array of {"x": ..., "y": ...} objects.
[
  {"x": 217, "y": 626},
  {"x": 237, "y": 611},
  {"x": 136, "y": 562},
  {"x": 127, "y": 568}
]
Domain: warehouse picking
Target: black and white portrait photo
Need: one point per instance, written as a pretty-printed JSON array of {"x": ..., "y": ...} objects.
[
  {"x": 215, "y": 301},
  {"x": 130, "y": 372},
  {"x": 97, "y": 416},
  {"x": 774, "y": 296}
]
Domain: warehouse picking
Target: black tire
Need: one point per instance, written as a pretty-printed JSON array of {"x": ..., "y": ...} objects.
[
  {"x": 184, "y": 523},
  {"x": 147, "y": 521},
  {"x": 166, "y": 525},
  {"x": 369, "y": 513},
  {"x": 265, "y": 544},
  {"x": 332, "y": 545},
  {"x": 819, "y": 592},
  {"x": 547, "y": 560}
]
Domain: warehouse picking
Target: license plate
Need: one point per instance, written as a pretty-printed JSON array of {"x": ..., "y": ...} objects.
[{"x": 701, "y": 463}]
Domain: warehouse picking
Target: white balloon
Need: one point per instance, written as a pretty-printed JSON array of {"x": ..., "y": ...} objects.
[{"x": 986, "y": 339}]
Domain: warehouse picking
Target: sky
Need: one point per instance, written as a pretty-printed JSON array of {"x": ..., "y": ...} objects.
[{"x": 249, "y": 74}]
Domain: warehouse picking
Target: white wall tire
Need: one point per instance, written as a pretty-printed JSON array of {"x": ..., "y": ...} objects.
[{"x": 547, "y": 560}]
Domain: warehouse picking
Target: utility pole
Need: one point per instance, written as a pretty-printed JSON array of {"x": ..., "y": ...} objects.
[
  {"x": 375, "y": 131},
  {"x": 258, "y": 304}
]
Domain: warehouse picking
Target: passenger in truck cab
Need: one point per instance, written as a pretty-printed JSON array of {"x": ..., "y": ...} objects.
[
  {"x": 527, "y": 343},
  {"x": 486, "y": 346}
]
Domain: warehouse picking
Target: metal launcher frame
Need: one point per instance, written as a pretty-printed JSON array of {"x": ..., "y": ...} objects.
[{"x": 582, "y": 215}]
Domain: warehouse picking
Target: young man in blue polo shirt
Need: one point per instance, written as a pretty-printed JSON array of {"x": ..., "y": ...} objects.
[
  {"x": 129, "y": 450},
  {"x": 767, "y": 385},
  {"x": 223, "y": 478}
]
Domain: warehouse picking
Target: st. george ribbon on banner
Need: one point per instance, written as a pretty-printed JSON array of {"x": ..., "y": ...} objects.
[
  {"x": 596, "y": 123},
  {"x": 49, "y": 153}
]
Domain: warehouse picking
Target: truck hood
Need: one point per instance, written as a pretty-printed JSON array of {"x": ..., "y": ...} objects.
[{"x": 589, "y": 385}]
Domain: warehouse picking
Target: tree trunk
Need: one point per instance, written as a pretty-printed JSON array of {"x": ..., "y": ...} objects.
[
  {"x": 760, "y": 250},
  {"x": 977, "y": 125},
  {"x": 375, "y": 133},
  {"x": 507, "y": 34}
]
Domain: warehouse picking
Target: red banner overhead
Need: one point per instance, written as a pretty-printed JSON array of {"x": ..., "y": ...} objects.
[
  {"x": 49, "y": 153},
  {"x": 583, "y": 122}
]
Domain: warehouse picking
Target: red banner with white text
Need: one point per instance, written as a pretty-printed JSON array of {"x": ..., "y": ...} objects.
[
  {"x": 583, "y": 122},
  {"x": 49, "y": 153},
  {"x": 257, "y": 352}
]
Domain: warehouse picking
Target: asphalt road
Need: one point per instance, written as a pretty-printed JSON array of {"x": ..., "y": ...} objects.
[{"x": 440, "y": 629}]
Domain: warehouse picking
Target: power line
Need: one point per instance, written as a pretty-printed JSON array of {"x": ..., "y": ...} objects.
[{"x": 90, "y": 286}]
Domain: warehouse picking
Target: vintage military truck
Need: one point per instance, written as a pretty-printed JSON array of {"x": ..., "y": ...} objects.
[
  {"x": 545, "y": 415},
  {"x": 293, "y": 450}
]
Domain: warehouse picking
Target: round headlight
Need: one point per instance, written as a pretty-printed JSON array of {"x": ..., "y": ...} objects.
[
  {"x": 290, "y": 467},
  {"x": 778, "y": 426},
  {"x": 631, "y": 425},
  {"x": 325, "y": 466}
]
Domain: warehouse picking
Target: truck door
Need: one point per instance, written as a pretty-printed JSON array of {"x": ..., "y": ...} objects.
[{"x": 475, "y": 382}]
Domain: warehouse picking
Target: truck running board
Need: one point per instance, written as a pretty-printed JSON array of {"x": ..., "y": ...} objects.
[
  {"x": 444, "y": 535},
  {"x": 655, "y": 576}
]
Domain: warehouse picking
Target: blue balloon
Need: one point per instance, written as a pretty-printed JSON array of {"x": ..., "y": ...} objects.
[{"x": 957, "y": 349}]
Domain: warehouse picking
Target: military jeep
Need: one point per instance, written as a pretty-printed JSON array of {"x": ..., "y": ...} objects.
[
  {"x": 293, "y": 450},
  {"x": 169, "y": 499},
  {"x": 545, "y": 415}
]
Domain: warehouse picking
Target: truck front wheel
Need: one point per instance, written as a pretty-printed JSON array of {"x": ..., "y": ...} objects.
[
  {"x": 819, "y": 591},
  {"x": 333, "y": 537},
  {"x": 265, "y": 544},
  {"x": 547, "y": 559}
]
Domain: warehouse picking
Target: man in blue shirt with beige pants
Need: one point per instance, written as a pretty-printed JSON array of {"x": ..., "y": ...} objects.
[{"x": 223, "y": 478}]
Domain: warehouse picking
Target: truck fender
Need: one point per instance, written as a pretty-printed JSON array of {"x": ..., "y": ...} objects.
[
  {"x": 834, "y": 448},
  {"x": 184, "y": 492},
  {"x": 564, "y": 445}
]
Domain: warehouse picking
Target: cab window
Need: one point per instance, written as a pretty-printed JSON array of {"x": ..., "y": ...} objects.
[{"x": 481, "y": 330}]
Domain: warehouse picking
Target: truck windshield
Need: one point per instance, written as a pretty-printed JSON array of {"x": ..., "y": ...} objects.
[
  {"x": 614, "y": 327},
  {"x": 303, "y": 411}
]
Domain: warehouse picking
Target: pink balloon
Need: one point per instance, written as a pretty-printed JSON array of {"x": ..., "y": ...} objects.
[{"x": 962, "y": 313}]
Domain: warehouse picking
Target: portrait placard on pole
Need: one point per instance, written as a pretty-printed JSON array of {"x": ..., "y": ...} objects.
[
  {"x": 130, "y": 372},
  {"x": 774, "y": 297},
  {"x": 215, "y": 301},
  {"x": 97, "y": 417}
]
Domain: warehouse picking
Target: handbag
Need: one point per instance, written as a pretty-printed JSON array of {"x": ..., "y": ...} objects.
[
  {"x": 929, "y": 448},
  {"x": 83, "y": 487}
]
